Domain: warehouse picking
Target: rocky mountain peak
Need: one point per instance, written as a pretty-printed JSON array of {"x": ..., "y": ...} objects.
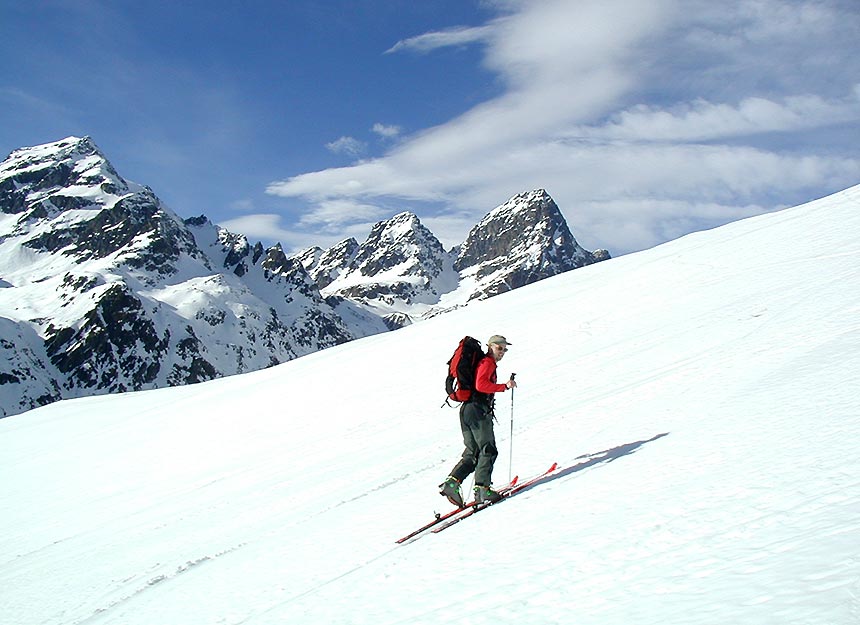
[
  {"x": 68, "y": 150},
  {"x": 42, "y": 181},
  {"x": 324, "y": 266},
  {"x": 513, "y": 228},
  {"x": 399, "y": 265},
  {"x": 70, "y": 201},
  {"x": 519, "y": 242},
  {"x": 401, "y": 239}
]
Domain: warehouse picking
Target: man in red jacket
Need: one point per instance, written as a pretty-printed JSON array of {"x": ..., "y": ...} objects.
[{"x": 476, "y": 423}]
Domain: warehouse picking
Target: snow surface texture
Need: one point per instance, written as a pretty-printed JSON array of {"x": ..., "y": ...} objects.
[{"x": 701, "y": 398}]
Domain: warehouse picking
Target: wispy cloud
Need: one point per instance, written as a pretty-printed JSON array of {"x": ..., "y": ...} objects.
[
  {"x": 386, "y": 131},
  {"x": 347, "y": 145},
  {"x": 455, "y": 36},
  {"x": 332, "y": 215},
  {"x": 261, "y": 225},
  {"x": 635, "y": 116},
  {"x": 702, "y": 120},
  {"x": 31, "y": 100}
]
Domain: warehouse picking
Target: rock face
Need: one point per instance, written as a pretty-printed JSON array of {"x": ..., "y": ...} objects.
[
  {"x": 400, "y": 268},
  {"x": 524, "y": 240},
  {"x": 104, "y": 289},
  {"x": 326, "y": 266}
]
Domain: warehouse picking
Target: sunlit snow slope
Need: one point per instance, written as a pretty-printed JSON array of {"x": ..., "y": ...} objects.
[{"x": 702, "y": 399}]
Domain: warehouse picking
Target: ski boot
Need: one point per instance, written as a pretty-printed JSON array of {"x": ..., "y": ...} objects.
[
  {"x": 485, "y": 494},
  {"x": 450, "y": 488}
]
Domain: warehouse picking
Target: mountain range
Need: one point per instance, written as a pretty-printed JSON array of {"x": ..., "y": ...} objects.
[{"x": 103, "y": 288}]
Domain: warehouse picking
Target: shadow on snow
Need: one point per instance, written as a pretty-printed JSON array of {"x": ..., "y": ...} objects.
[{"x": 587, "y": 461}]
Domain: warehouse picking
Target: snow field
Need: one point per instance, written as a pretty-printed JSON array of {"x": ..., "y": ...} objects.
[{"x": 700, "y": 398}]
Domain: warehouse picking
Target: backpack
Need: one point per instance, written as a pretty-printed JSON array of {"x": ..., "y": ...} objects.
[{"x": 462, "y": 369}]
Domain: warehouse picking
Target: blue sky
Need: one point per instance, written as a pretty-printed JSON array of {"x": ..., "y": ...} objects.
[{"x": 304, "y": 122}]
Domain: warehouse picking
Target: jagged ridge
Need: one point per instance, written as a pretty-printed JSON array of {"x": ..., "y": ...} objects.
[{"x": 403, "y": 272}]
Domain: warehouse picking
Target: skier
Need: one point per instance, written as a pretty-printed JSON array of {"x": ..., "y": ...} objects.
[{"x": 476, "y": 423}]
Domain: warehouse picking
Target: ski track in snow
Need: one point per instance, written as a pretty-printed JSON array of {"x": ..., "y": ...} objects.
[{"x": 585, "y": 462}]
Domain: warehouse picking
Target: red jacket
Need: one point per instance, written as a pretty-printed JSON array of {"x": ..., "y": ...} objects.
[{"x": 485, "y": 378}]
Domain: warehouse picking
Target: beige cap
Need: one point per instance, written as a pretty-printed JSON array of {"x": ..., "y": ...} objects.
[{"x": 498, "y": 338}]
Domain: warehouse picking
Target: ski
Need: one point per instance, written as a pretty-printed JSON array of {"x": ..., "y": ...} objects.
[
  {"x": 505, "y": 493},
  {"x": 439, "y": 518}
]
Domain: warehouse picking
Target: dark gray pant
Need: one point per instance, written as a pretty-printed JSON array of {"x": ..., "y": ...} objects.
[{"x": 476, "y": 422}]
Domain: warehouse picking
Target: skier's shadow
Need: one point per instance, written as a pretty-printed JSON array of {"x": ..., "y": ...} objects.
[{"x": 589, "y": 460}]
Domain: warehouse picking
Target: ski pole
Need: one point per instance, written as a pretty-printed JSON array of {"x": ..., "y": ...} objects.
[{"x": 511, "y": 459}]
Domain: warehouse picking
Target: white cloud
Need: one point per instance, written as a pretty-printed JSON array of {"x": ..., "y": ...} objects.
[
  {"x": 455, "y": 36},
  {"x": 621, "y": 109},
  {"x": 347, "y": 145},
  {"x": 386, "y": 131},
  {"x": 702, "y": 120},
  {"x": 259, "y": 226},
  {"x": 331, "y": 215}
]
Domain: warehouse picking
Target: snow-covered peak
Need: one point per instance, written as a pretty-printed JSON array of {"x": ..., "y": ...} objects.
[
  {"x": 78, "y": 161},
  {"x": 44, "y": 181},
  {"x": 400, "y": 226},
  {"x": 393, "y": 241},
  {"x": 520, "y": 202},
  {"x": 309, "y": 257},
  {"x": 401, "y": 268},
  {"x": 521, "y": 241},
  {"x": 68, "y": 149},
  {"x": 325, "y": 266}
]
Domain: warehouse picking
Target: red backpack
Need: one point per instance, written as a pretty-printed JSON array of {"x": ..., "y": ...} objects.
[{"x": 462, "y": 369}]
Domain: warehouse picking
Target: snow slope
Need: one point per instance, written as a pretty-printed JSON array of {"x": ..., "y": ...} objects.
[{"x": 701, "y": 398}]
